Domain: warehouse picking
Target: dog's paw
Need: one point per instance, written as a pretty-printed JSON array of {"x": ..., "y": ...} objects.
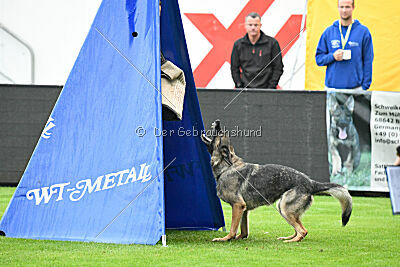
[
  {"x": 286, "y": 237},
  {"x": 224, "y": 239},
  {"x": 335, "y": 172},
  {"x": 241, "y": 236},
  {"x": 296, "y": 239}
]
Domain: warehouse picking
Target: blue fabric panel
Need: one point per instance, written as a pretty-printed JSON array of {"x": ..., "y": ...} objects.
[
  {"x": 103, "y": 182},
  {"x": 190, "y": 194}
]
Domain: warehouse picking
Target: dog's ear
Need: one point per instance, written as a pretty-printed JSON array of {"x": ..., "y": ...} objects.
[
  {"x": 224, "y": 150},
  {"x": 350, "y": 103},
  {"x": 333, "y": 103},
  {"x": 216, "y": 126}
]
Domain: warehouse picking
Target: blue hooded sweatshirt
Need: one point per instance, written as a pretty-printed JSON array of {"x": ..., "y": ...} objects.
[{"x": 346, "y": 74}]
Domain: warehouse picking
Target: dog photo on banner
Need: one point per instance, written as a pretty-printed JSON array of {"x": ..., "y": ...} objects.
[{"x": 349, "y": 138}]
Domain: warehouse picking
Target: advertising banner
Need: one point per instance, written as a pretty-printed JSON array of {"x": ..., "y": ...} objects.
[
  {"x": 349, "y": 138},
  {"x": 385, "y": 130},
  {"x": 363, "y": 131}
]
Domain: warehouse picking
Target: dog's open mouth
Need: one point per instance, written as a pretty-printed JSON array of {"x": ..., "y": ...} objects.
[
  {"x": 215, "y": 130},
  {"x": 206, "y": 139}
]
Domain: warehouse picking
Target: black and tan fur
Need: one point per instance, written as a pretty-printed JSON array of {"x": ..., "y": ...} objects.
[
  {"x": 343, "y": 139},
  {"x": 246, "y": 186}
]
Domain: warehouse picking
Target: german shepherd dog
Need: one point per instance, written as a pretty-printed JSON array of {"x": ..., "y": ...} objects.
[
  {"x": 343, "y": 139},
  {"x": 246, "y": 186}
]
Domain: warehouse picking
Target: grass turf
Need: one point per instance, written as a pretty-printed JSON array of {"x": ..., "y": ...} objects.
[{"x": 370, "y": 238}]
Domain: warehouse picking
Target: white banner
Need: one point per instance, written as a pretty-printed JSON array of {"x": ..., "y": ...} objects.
[
  {"x": 211, "y": 27},
  {"x": 385, "y": 135}
]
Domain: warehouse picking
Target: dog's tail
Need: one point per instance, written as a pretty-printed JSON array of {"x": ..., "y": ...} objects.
[{"x": 341, "y": 194}]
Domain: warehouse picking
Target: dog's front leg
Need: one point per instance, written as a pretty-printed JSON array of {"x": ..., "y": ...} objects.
[
  {"x": 237, "y": 213},
  {"x": 336, "y": 162},
  {"x": 349, "y": 163},
  {"x": 244, "y": 226}
]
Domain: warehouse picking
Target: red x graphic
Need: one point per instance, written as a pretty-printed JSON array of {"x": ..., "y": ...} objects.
[{"x": 222, "y": 39}]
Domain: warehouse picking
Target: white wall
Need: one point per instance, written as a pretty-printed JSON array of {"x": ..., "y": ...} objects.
[{"x": 56, "y": 29}]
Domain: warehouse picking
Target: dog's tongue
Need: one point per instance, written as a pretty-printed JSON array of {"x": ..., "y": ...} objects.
[{"x": 342, "y": 134}]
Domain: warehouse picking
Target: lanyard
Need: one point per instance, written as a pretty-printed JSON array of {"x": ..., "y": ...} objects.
[{"x": 346, "y": 38}]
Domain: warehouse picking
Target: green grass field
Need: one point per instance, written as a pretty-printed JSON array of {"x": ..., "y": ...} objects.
[{"x": 370, "y": 238}]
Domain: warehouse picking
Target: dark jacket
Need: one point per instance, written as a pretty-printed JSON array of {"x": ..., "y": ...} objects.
[{"x": 252, "y": 59}]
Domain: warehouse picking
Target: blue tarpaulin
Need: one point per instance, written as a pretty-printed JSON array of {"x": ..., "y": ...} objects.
[
  {"x": 190, "y": 193},
  {"x": 97, "y": 172}
]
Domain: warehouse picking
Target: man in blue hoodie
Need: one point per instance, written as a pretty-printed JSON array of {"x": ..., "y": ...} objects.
[{"x": 346, "y": 50}]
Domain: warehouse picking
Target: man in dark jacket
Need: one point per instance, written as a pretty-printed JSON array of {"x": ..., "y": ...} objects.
[{"x": 256, "y": 60}]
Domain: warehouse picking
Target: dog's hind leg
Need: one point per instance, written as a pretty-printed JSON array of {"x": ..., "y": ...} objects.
[
  {"x": 244, "y": 226},
  {"x": 287, "y": 237},
  {"x": 301, "y": 232},
  {"x": 278, "y": 205},
  {"x": 237, "y": 213},
  {"x": 292, "y": 205}
]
